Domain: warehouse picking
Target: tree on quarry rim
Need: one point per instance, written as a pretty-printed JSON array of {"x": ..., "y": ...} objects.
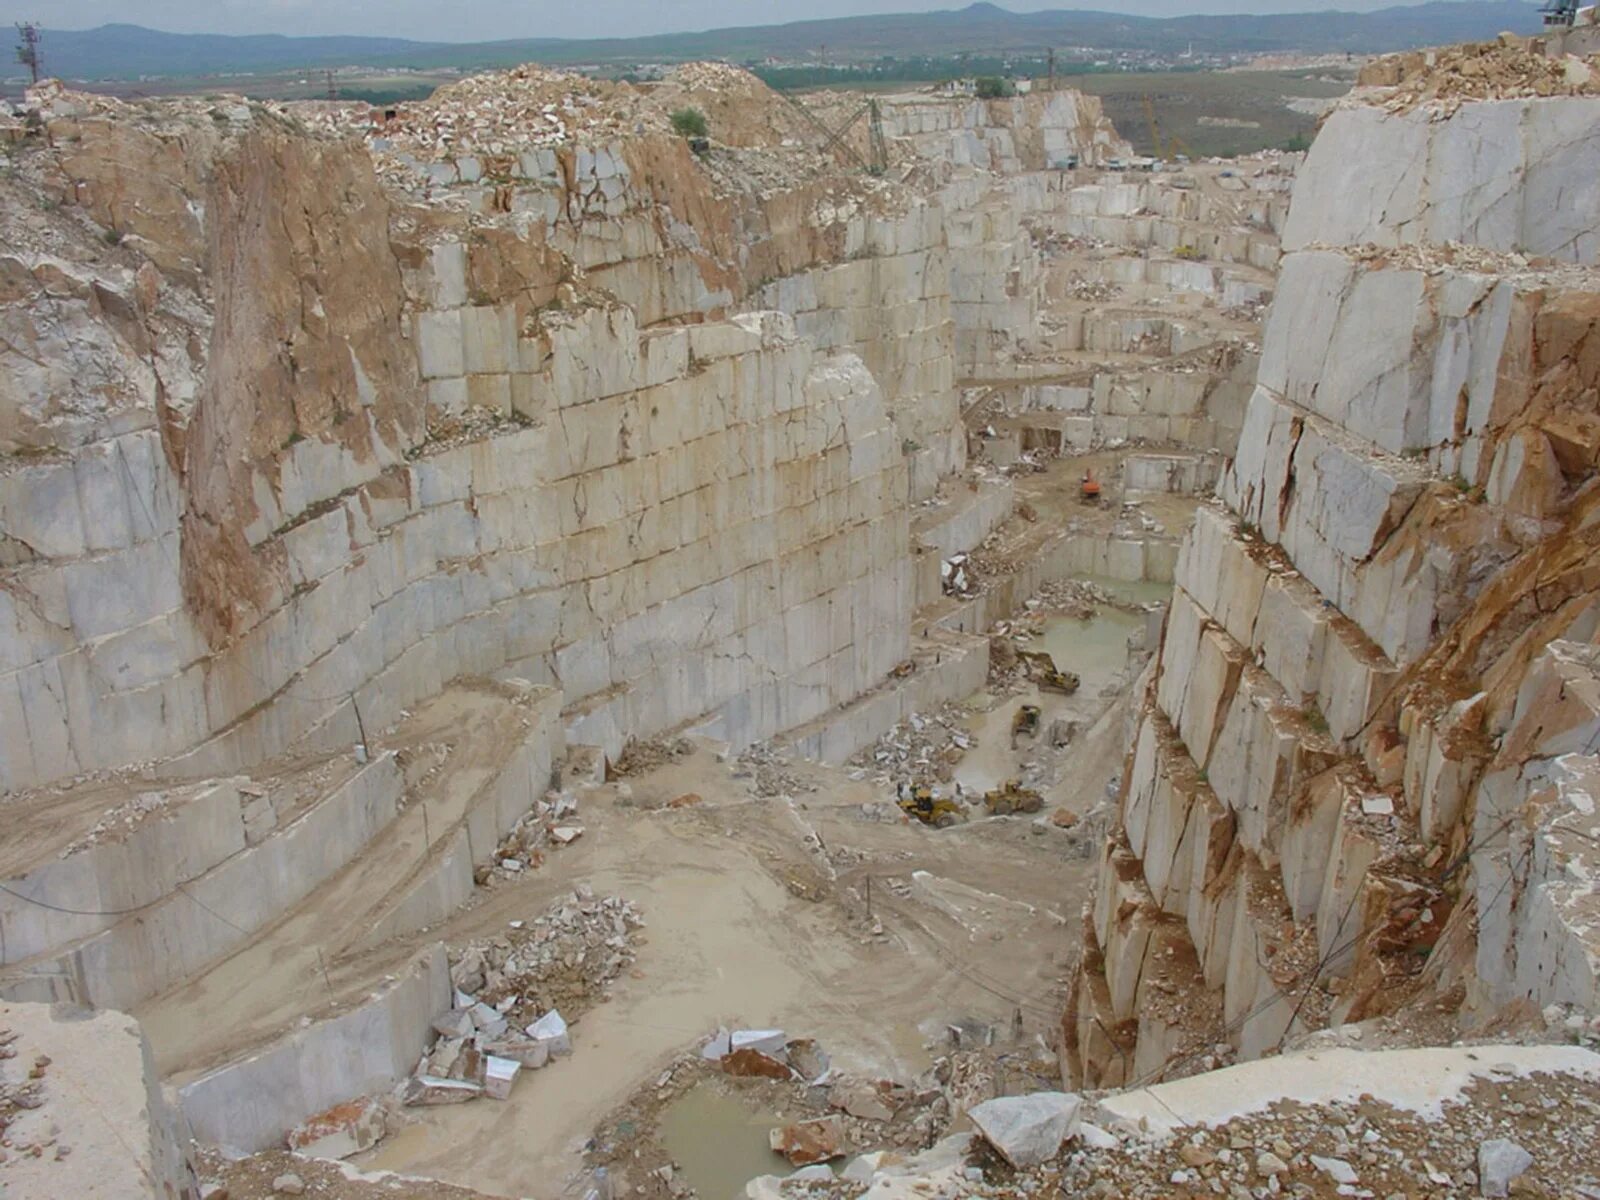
[{"x": 690, "y": 123}]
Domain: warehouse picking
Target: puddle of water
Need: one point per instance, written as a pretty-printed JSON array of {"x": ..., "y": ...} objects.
[
  {"x": 1136, "y": 592},
  {"x": 719, "y": 1142},
  {"x": 1095, "y": 650},
  {"x": 992, "y": 761}
]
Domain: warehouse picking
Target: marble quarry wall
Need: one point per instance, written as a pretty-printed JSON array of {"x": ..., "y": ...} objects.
[
  {"x": 1363, "y": 767},
  {"x": 1040, "y": 131},
  {"x": 586, "y": 413}
]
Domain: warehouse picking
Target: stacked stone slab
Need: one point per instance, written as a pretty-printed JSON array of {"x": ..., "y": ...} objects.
[
  {"x": 1337, "y": 772},
  {"x": 222, "y": 862},
  {"x": 677, "y": 522},
  {"x": 664, "y": 522},
  {"x": 1036, "y": 132}
]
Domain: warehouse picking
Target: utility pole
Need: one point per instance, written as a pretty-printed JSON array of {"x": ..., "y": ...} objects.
[
  {"x": 1052, "y": 57},
  {"x": 333, "y": 88},
  {"x": 28, "y": 47}
]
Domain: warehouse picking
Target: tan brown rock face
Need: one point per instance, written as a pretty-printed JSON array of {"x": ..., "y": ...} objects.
[{"x": 307, "y": 344}]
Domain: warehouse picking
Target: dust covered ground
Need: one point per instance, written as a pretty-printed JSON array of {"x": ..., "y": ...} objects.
[{"x": 777, "y": 893}]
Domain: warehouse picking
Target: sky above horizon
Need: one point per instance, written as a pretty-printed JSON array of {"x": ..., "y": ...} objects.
[{"x": 483, "y": 20}]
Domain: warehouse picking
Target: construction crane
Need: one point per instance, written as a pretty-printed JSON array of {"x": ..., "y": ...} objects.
[
  {"x": 878, "y": 147},
  {"x": 1174, "y": 146},
  {"x": 1560, "y": 12},
  {"x": 28, "y": 47}
]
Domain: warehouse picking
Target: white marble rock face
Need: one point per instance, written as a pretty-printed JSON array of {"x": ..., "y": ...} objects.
[{"x": 1393, "y": 457}]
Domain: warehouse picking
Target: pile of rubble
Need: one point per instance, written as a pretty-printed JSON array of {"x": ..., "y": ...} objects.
[
  {"x": 120, "y": 821},
  {"x": 510, "y": 992},
  {"x": 923, "y": 748},
  {"x": 21, "y": 1094},
  {"x": 1512, "y": 1133},
  {"x": 506, "y": 112},
  {"x": 1253, "y": 311},
  {"x": 564, "y": 958},
  {"x": 767, "y": 770},
  {"x": 550, "y": 824},
  {"x": 1079, "y": 288},
  {"x": 641, "y": 757},
  {"x": 475, "y": 423},
  {"x": 1505, "y": 69},
  {"x": 820, "y": 1116},
  {"x": 1499, "y": 1139},
  {"x": 1437, "y": 258}
]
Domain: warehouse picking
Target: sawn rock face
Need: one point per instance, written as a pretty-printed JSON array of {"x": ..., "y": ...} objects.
[
  {"x": 296, "y": 428},
  {"x": 1363, "y": 768}
]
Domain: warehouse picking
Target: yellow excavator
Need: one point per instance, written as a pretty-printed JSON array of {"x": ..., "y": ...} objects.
[
  {"x": 1012, "y": 798},
  {"x": 1050, "y": 678},
  {"x": 919, "y": 801},
  {"x": 1025, "y": 723}
]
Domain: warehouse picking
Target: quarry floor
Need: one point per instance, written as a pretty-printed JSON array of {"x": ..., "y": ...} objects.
[
  {"x": 749, "y": 922},
  {"x": 810, "y": 904}
]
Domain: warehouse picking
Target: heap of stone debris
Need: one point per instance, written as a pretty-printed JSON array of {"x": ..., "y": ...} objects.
[
  {"x": 510, "y": 993},
  {"x": 565, "y": 958},
  {"x": 1437, "y": 258},
  {"x": 1098, "y": 290},
  {"x": 23, "y": 1094},
  {"x": 120, "y": 821},
  {"x": 641, "y": 756},
  {"x": 1504, "y": 69},
  {"x": 526, "y": 107},
  {"x": 550, "y": 824},
  {"x": 1497, "y": 1140},
  {"x": 919, "y": 750},
  {"x": 1512, "y": 1134},
  {"x": 767, "y": 769}
]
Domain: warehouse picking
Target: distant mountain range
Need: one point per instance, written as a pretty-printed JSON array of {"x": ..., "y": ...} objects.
[{"x": 131, "y": 51}]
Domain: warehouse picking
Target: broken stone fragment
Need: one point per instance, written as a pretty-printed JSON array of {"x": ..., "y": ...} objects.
[
  {"x": 425, "y": 1090},
  {"x": 815, "y": 1173},
  {"x": 1028, "y": 1130},
  {"x": 487, "y": 1020},
  {"x": 1335, "y": 1169},
  {"x": 531, "y": 1054},
  {"x": 769, "y": 1041},
  {"x": 717, "y": 1048},
  {"x": 754, "y": 1064},
  {"x": 341, "y": 1131},
  {"x": 808, "y": 1058},
  {"x": 552, "y": 1031},
  {"x": 870, "y": 1101},
  {"x": 1268, "y": 1163},
  {"x": 457, "y": 1023},
  {"x": 808, "y": 1142},
  {"x": 499, "y": 1076},
  {"x": 1500, "y": 1163}
]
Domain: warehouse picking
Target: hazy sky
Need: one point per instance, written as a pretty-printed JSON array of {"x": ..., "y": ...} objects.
[{"x": 476, "y": 20}]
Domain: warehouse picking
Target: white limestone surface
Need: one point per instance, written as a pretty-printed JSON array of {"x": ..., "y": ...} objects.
[
  {"x": 1419, "y": 1081},
  {"x": 1518, "y": 175}
]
